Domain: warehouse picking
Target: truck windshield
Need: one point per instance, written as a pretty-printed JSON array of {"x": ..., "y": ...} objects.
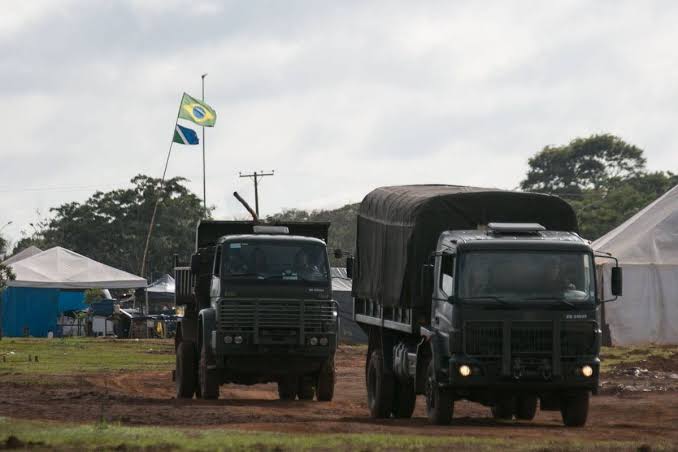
[
  {"x": 527, "y": 276},
  {"x": 275, "y": 260}
]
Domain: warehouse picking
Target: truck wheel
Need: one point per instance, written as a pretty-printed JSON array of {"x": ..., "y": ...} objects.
[
  {"x": 526, "y": 407},
  {"x": 208, "y": 378},
  {"x": 379, "y": 387},
  {"x": 324, "y": 390},
  {"x": 185, "y": 370},
  {"x": 405, "y": 399},
  {"x": 306, "y": 390},
  {"x": 287, "y": 388},
  {"x": 504, "y": 409},
  {"x": 439, "y": 403},
  {"x": 574, "y": 409}
]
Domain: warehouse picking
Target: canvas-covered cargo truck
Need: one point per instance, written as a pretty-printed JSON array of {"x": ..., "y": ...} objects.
[
  {"x": 477, "y": 294},
  {"x": 257, "y": 308}
]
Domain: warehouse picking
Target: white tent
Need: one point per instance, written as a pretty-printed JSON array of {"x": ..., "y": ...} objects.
[
  {"x": 647, "y": 248},
  {"x": 28, "y": 252},
  {"x": 63, "y": 269}
]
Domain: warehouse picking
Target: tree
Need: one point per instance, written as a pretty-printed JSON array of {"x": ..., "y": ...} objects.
[
  {"x": 602, "y": 177},
  {"x": 583, "y": 164},
  {"x": 6, "y": 274},
  {"x": 111, "y": 227},
  {"x": 342, "y": 230}
]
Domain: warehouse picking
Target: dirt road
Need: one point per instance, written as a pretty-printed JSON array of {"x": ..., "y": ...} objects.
[{"x": 637, "y": 404}]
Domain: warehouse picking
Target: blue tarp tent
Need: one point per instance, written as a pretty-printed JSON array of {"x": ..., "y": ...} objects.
[{"x": 33, "y": 311}]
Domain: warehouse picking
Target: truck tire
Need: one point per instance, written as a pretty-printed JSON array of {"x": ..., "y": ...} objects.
[
  {"x": 287, "y": 388},
  {"x": 526, "y": 407},
  {"x": 439, "y": 403},
  {"x": 324, "y": 389},
  {"x": 208, "y": 378},
  {"x": 379, "y": 387},
  {"x": 186, "y": 364},
  {"x": 574, "y": 409},
  {"x": 305, "y": 389},
  {"x": 504, "y": 409},
  {"x": 405, "y": 399}
]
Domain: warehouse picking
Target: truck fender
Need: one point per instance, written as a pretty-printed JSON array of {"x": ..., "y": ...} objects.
[{"x": 207, "y": 321}]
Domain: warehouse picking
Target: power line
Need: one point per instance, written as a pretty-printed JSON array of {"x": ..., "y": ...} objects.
[{"x": 256, "y": 176}]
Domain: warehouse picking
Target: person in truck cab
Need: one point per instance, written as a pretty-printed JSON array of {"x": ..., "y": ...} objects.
[{"x": 555, "y": 281}]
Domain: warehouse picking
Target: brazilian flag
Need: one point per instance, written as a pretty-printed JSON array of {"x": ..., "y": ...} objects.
[{"x": 197, "y": 111}]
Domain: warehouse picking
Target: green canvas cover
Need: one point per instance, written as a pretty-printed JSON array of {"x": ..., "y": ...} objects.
[{"x": 398, "y": 228}]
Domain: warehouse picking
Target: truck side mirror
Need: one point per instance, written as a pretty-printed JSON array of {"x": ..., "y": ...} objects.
[
  {"x": 195, "y": 264},
  {"x": 338, "y": 254},
  {"x": 426, "y": 288},
  {"x": 349, "y": 267},
  {"x": 616, "y": 282}
]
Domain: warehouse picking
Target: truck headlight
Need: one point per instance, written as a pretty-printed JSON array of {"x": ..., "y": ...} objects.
[
  {"x": 228, "y": 339},
  {"x": 587, "y": 371},
  {"x": 464, "y": 370},
  {"x": 313, "y": 341},
  {"x": 323, "y": 341},
  {"x": 238, "y": 340}
]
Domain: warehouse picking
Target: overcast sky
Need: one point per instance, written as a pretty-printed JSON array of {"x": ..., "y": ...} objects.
[{"x": 337, "y": 97}]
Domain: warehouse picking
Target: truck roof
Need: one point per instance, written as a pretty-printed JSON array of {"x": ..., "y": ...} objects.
[
  {"x": 478, "y": 239},
  {"x": 399, "y": 227},
  {"x": 271, "y": 237},
  {"x": 208, "y": 232}
]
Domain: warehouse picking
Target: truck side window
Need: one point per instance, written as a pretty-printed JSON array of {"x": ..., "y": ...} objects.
[
  {"x": 217, "y": 262},
  {"x": 447, "y": 274}
]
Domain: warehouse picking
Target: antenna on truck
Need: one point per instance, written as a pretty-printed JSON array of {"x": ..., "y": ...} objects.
[{"x": 255, "y": 218}]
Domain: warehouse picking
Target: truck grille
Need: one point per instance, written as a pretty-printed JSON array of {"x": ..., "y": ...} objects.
[
  {"x": 250, "y": 315},
  {"x": 485, "y": 339}
]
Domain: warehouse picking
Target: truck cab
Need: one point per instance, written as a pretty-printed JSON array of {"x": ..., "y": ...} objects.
[{"x": 260, "y": 311}]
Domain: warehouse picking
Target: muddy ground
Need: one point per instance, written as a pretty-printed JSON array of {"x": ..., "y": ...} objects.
[{"x": 638, "y": 402}]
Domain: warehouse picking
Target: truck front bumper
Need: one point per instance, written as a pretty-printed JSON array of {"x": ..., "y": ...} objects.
[{"x": 533, "y": 375}]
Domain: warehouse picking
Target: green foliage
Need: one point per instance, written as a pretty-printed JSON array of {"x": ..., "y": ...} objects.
[
  {"x": 111, "y": 227},
  {"x": 583, "y": 164},
  {"x": 6, "y": 274},
  {"x": 342, "y": 230},
  {"x": 602, "y": 177},
  {"x": 92, "y": 295}
]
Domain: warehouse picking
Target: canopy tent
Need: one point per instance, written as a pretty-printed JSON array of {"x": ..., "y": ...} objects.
[
  {"x": 162, "y": 287},
  {"x": 60, "y": 268},
  {"x": 28, "y": 252},
  {"x": 50, "y": 283},
  {"x": 160, "y": 295},
  {"x": 647, "y": 248},
  {"x": 349, "y": 331}
]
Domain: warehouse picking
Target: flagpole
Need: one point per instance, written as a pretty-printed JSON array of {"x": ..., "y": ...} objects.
[
  {"x": 157, "y": 201},
  {"x": 204, "y": 186}
]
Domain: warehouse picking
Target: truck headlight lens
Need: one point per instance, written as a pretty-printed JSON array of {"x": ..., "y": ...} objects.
[
  {"x": 238, "y": 340},
  {"x": 587, "y": 371},
  {"x": 323, "y": 341},
  {"x": 228, "y": 339},
  {"x": 313, "y": 341},
  {"x": 464, "y": 370}
]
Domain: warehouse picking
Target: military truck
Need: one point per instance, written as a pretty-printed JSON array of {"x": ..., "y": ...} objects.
[
  {"x": 477, "y": 294},
  {"x": 257, "y": 308}
]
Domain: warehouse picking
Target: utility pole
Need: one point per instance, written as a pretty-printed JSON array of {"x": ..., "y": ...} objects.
[
  {"x": 256, "y": 176},
  {"x": 204, "y": 185}
]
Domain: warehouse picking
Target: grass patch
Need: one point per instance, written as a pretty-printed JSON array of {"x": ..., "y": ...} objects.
[
  {"x": 110, "y": 436},
  {"x": 612, "y": 357},
  {"x": 83, "y": 355}
]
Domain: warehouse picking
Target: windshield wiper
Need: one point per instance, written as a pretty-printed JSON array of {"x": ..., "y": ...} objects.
[
  {"x": 489, "y": 297},
  {"x": 243, "y": 274},
  {"x": 562, "y": 300}
]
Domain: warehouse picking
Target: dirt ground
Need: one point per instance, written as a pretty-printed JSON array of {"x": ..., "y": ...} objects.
[{"x": 637, "y": 403}]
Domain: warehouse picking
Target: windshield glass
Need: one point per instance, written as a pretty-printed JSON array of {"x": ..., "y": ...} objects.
[
  {"x": 275, "y": 259},
  {"x": 527, "y": 276}
]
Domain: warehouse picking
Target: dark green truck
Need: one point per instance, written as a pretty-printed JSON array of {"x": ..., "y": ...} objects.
[
  {"x": 257, "y": 308},
  {"x": 478, "y": 294}
]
